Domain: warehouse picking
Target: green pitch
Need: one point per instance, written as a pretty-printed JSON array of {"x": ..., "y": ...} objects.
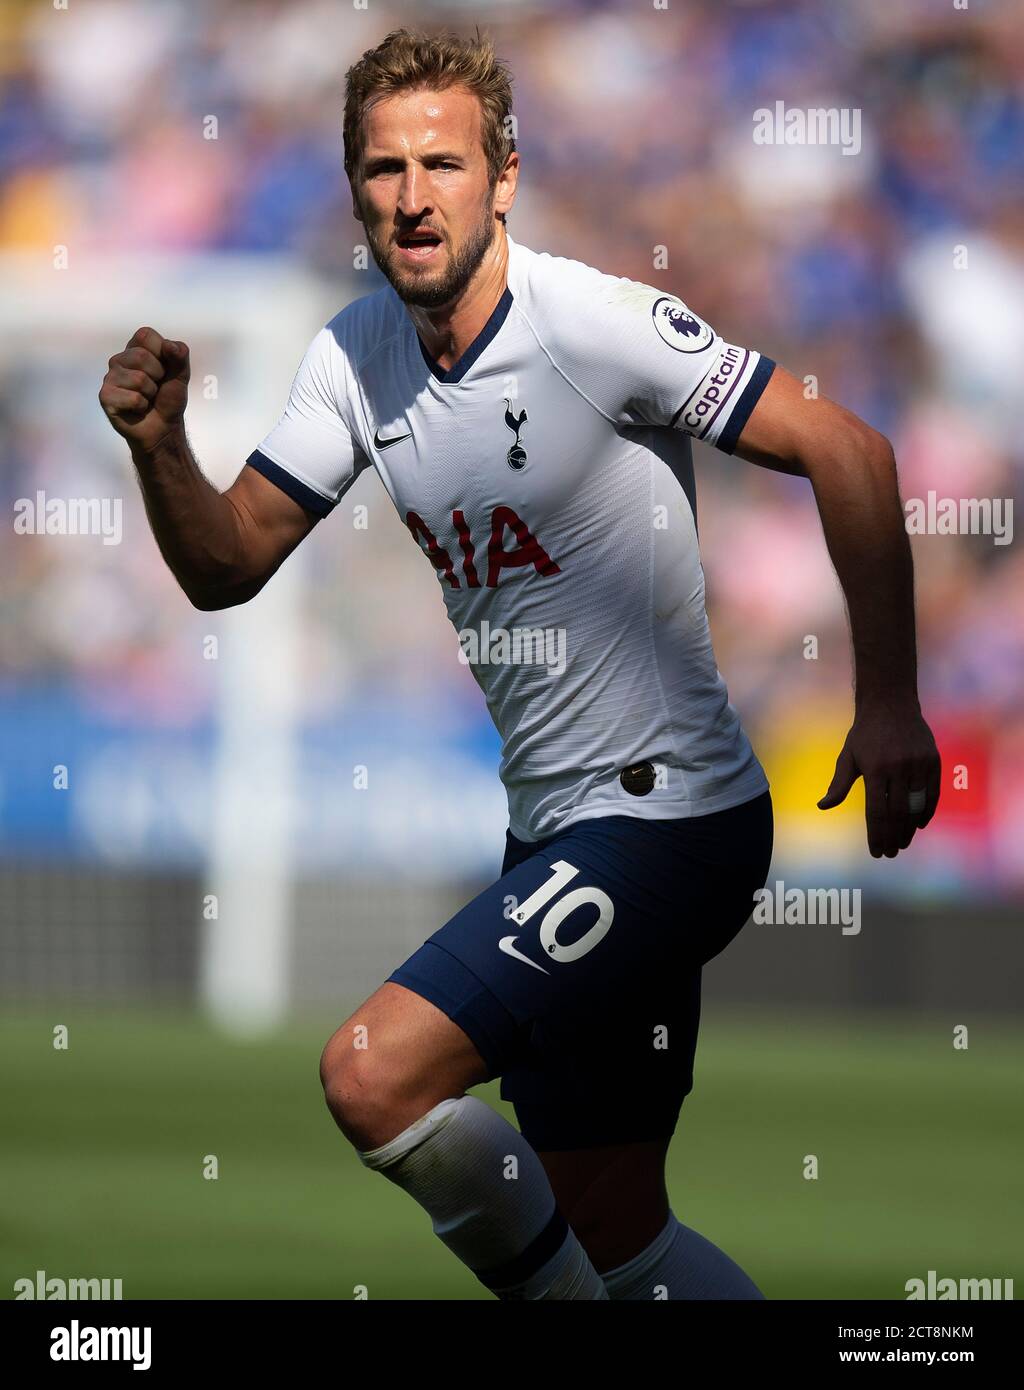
[{"x": 101, "y": 1164}]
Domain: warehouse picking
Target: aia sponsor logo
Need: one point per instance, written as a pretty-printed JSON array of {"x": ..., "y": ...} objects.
[{"x": 527, "y": 550}]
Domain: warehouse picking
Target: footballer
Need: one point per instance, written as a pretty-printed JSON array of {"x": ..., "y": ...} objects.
[{"x": 530, "y": 417}]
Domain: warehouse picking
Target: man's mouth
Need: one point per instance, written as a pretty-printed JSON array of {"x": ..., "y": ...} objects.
[{"x": 418, "y": 245}]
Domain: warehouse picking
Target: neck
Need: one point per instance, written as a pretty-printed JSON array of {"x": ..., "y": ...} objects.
[{"x": 448, "y": 331}]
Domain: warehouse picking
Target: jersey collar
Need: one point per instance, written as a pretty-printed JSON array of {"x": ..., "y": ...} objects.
[{"x": 459, "y": 369}]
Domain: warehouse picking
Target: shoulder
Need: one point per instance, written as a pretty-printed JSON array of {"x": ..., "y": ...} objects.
[
  {"x": 330, "y": 365},
  {"x": 633, "y": 350},
  {"x": 362, "y": 327},
  {"x": 582, "y": 312},
  {"x": 543, "y": 280}
]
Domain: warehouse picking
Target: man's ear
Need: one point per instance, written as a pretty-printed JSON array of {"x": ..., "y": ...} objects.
[{"x": 356, "y": 210}]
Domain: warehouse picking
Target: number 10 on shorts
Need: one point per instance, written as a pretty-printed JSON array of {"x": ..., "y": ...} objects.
[{"x": 561, "y": 874}]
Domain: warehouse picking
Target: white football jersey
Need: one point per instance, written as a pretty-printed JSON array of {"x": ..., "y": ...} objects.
[{"x": 547, "y": 477}]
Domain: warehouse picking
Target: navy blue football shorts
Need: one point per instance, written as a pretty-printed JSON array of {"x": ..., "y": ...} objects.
[{"x": 577, "y": 974}]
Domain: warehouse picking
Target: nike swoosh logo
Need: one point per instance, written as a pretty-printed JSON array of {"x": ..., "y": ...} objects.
[
  {"x": 379, "y": 443},
  {"x": 506, "y": 945}
]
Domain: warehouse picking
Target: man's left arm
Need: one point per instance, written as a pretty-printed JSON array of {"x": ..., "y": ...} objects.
[{"x": 853, "y": 473}]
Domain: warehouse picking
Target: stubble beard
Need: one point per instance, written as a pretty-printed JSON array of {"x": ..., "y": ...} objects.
[{"x": 433, "y": 290}]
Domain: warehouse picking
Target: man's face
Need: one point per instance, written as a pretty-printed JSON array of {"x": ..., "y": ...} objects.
[{"x": 422, "y": 193}]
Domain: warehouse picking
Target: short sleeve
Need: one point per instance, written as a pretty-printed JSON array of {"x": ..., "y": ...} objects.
[
  {"x": 713, "y": 393},
  {"x": 643, "y": 357},
  {"x": 310, "y": 453}
]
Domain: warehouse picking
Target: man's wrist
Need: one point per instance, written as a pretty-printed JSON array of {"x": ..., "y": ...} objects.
[
  {"x": 887, "y": 699},
  {"x": 168, "y": 445}
]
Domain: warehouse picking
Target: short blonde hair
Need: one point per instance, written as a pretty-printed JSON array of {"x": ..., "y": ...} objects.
[{"x": 407, "y": 60}]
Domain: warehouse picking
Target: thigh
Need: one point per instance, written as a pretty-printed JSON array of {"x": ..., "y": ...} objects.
[
  {"x": 618, "y": 1075},
  {"x": 576, "y": 974},
  {"x": 572, "y": 924},
  {"x": 408, "y": 1041},
  {"x": 614, "y": 1065}
]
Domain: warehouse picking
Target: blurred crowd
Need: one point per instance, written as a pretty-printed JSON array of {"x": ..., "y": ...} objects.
[{"x": 893, "y": 280}]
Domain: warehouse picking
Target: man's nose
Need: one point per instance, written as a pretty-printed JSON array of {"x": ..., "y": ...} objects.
[{"x": 412, "y": 198}]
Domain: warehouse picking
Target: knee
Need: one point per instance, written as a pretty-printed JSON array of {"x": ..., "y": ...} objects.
[{"x": 358, "y": 1092}]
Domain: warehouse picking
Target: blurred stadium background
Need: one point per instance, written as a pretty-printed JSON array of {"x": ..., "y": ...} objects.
[{"x": 211, "y": 893}]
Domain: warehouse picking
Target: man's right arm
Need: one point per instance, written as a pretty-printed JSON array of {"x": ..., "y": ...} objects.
[{"x": 221, "y": 547}]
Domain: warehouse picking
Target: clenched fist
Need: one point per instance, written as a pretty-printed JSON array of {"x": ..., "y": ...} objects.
[{"x": 145, "y": 390}]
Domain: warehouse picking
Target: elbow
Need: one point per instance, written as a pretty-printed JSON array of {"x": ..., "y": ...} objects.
[
  {"x": 211, "y": 600},
  {"x": 880, "y": 473},
  {"x": 221, "y": 586},
  {"x": 878, "y": 449},
  {"x": 206, "y": 603},
  {"x": 870, "y": 445},
  {"x": 206, "y": 600},
  {"x": 855, "y": 447}
]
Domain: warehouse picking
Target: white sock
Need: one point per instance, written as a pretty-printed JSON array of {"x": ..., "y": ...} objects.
[
  {"x": 456, "y": 1161},
  {"x": 680, "y": 1264}
]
